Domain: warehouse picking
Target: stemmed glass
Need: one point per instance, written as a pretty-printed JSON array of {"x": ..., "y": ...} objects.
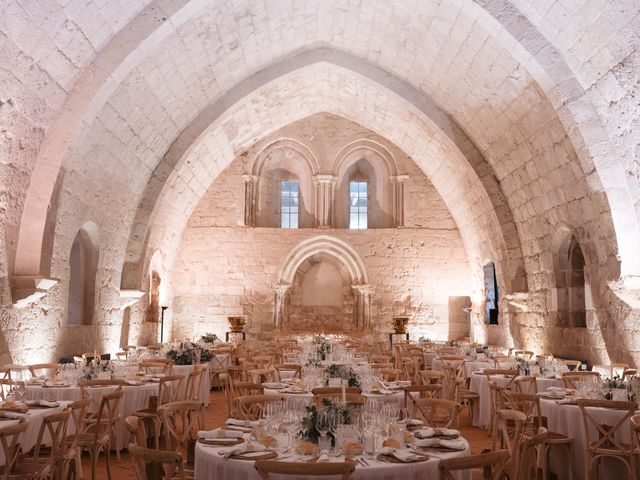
[{"x": 323, "y": 425}]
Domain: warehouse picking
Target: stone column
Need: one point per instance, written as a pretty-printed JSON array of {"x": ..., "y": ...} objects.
[
  {"x": 250, "y": 199},
  {"x": 325, "y": 185},
  {"x": 280, "y": 305},
  {"x": 363, "y": 306},
  {"x": 398, "y": 199}
]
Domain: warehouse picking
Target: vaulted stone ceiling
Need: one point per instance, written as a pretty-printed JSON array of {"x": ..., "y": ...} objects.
[{"x": 521, "y": 113}]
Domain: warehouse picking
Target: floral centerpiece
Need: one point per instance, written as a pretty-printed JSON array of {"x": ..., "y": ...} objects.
[
  {"x": 343, "y": 371},
  {"x": 96, "y": 367},
  {"x": 309, "y": 431},
  {"x": 187, "y": 353},
  {"x": 208, "y": 338}
]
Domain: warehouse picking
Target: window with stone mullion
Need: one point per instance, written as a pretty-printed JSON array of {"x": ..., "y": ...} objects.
[{"x": 358, "y": 205}]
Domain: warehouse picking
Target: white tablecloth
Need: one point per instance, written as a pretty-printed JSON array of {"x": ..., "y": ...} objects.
[
  {"x": 567, "y": 419},
  {"x": 480, "y": 385},
  {"x": 210, "y": 465},
  {"x": 205, "y": 386},
  {"x": 307, "y": 398},
  {"x": 35, "y": 417},
  {"x": 135, "y": 398},
  {"x": 470, "y": 366}
]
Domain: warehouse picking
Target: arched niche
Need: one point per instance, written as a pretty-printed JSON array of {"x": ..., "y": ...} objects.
[
  {"x": 491, "y": 296},
  {"x": 83, "y": 266},
  {"x": 321, "y": 298},
  {"x": 281, "y": 160},
  {"x": 366, "y": 160},
  {"x": 326, "y": 258},
  {"x": 569, "y": 270}
]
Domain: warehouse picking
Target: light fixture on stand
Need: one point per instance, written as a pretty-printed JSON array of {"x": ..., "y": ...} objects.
[{"x": 162, "y": 309}]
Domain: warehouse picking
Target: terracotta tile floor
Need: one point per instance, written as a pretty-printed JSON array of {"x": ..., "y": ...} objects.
[{"x": 215, "y": 416}]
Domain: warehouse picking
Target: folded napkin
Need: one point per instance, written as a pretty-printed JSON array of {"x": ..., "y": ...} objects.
[
  {"x": 435, "y": 432},
  {"x": 557, "y": 389},
  {"x": 55, "y": 383},
  {"x": 400, "y": 454},
  {"x": 457, "y": 444},
  {"x": 414, "y": 422},
  {"x": 239, "y": 423},
  {"x": 247, "y": 448},
  {"x": 219, "y": 433},
  {"x": 323, "y": 457}
]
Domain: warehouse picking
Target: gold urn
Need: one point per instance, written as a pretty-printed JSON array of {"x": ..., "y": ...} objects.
[
  {"x": 236, "y": 324},
  {"x": 399, "y": 324}
]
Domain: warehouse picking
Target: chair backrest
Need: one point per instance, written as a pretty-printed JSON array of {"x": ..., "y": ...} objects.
[
  {"x": 194, "y": 382},
  {"x": 494, "y": 460},
  {"x": 53, "y": 429},
  {"x": 304, "y": 470},
  {"x": 453, "y": 376},
  {"x": 250, "y": 407},
  {"x": 169, "y": 388},
  {"x": 156, "y": 365},
  {"x": 150, "y": 464},
  {"x": 526, "y": 384},
  {"x": 430, "y": 377},
  {"x": 529, "y": 405},
  {"x": 38, "y": 369},
  {"x": 509, "y": 430},
  {"x": 79, "y": 410},
  {"x": 436, "y": 412},
  {"x": 528, "y": 455},
  {"x": 414, "y": 392},
  {"x": 391, "y": 374},
  {"x": 280, "y": 368},
  {"x": 181, "y": 421},
  {"x": 10, "y": 437},
  {"x": 108, "y": 415},
  {"x": 574, "y": 379},
  {"x": 502, "y": 360},
  {"x": 607, "y": 435}
]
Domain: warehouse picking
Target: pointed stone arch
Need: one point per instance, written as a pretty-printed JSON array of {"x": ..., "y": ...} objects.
[{"x": 344, "y": 254}]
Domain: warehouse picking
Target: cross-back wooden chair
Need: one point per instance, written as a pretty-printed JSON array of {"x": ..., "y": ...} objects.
[
  {"x": 181, "y": 422},
  {"x": 502, "y": 361},
  {"x": 152, "y": 464},
  {"x": 494, "y": 461},
  {"x": 44, "y": 369},
  {"x": 295, "y": 370},
  {"x": 45, "y": 463},
  {"x": 135, "y": 425},
  {"x": 527, "y": 384},
  {"x": 251, "y": 407},
  {"x": 156, "y": 365},
  {"x": 194, "y": 382},
  {"x": 169, "y": 389},
  {"x": 304, "y": 470},
  {"x": 528, "y": 455},
  {"x": 430, "y": 377},
  {"x": 574, "y": 379},
  {"x": 72, "y": 453},
  {"x": 606, "y": 443},
  {"x": 436, "y": 412},
  {"x": 497, "y": 390},
  {"x": 10, "y": 438},
  {"x": 510, "y": 428},
  {"x": 100, "y": 429},
  {"x": 391, "y": 374},
  {"x": 415, "y": 392},
  {"x": 453, "y": 369}
]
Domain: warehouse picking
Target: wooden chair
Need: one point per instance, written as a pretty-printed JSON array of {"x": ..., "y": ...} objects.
[
  {"x": 156, "y": 464},
  {"x": 156, "y": 365},
  {"x": 497, "y": 391},
  {"x": 45, "y": 463},
  {"x": 44, "y": 369},
  {"x": 99, "y": 430},
  {"x": 73, "y": 452},
  {"x": 415, "y": 392},
  {"x": 528, "y": 455},
  {"x": 526, "y": 384},
  {"x": 573, "y": 379},
  {"x": 194, "y": 382},
  {"x": 510, "y": 427},
  {"x": 436, "y": 412},
  {"x": 573, "y": 365},
  {"x": 251, "y": 407},
  {"x": 606, "y": 443},
  {"x": 10, "y": 438},
  {"x": 181, "y": 422},
  {"x": 168, "y": 391},
  {"x": 430, "y": 377},
  {"x": 135, "y": 425},
  {"x": 304, "y": 470},
  {"x": 495, "y": 461},
  {"x": 502, "y": 361},
  {"x": 380, "y": 359},
  {"x": 296, "y": 370}
]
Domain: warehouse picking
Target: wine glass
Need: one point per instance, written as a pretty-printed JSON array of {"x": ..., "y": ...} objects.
[{"x": 323, "y": 425}]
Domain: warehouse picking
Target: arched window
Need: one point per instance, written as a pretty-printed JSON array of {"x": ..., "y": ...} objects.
[
  {"x": 289, "y": 196},
  {"x": 491, "y": 294},
  {"x": 358, "y": 204},
  {"x": 83, "y": 265},
  {"x": 570, "y": 282}
]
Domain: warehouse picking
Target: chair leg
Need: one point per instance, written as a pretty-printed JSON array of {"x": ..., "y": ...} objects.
[
  {"x": 107, "y": 458},
  {"x": 93, "y": 453}
]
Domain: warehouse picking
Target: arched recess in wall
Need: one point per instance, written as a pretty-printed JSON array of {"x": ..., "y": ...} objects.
[
  {"x": 351, "y": 266},
  {"x": 570, "y": 277},
  {"x": 83, "y": 265},
  {"x": 370, "y": 162},
  {"x": 284, "y": 159}
]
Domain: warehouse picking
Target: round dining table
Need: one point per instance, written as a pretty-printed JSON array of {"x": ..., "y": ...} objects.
[
  {"x": 306, "y": 398},
  {"x": 136, "y": 397},
  {"x": 209, "y": 463},
  {"x": 470, "y": 366}
]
